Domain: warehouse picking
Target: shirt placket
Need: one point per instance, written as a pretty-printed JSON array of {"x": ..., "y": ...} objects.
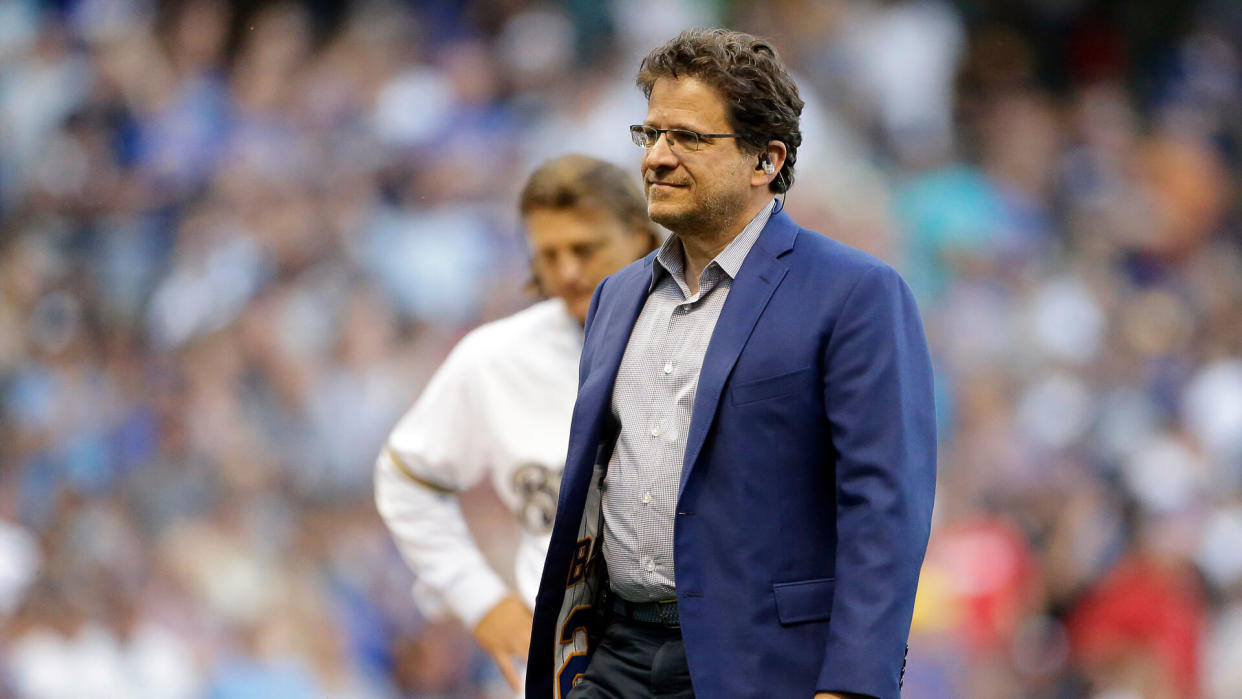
[
  {"x": 663, "y": 430},
  {"x": 676, "y": 375}
]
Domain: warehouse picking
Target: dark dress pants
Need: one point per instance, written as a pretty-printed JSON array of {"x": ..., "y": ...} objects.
[{"x": 636, "y": 659}]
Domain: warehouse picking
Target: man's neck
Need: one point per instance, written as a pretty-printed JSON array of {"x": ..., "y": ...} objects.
[{"x": 701, "y": 247}]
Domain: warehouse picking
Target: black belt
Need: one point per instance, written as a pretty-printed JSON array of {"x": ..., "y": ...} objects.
[{"x": 663, "y": 613}]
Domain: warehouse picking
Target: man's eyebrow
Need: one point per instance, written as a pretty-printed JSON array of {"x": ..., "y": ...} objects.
[{"x": 680, "y": 125}]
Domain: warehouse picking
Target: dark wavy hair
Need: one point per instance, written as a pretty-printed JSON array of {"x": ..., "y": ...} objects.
[{"x": 763, "y": 101}]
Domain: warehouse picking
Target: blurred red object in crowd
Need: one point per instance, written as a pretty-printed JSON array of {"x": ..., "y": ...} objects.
[{"x": 1142, "y": 626}]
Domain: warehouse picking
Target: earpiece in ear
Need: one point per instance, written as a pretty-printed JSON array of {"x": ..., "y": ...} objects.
[{"x": 766, "y": 164}]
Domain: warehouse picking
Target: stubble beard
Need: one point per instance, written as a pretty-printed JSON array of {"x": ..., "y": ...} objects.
[{"x": 703, "y": 218}]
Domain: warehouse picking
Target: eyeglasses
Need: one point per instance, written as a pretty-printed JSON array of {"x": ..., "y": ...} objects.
[{"x": 682, "y": 139}]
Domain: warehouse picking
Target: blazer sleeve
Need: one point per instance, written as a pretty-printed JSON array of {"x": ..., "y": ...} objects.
[{"x": 878, "y": 395}]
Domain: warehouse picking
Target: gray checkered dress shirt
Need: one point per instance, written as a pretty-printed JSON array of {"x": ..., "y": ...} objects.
[{"x": 653, "y": 399}]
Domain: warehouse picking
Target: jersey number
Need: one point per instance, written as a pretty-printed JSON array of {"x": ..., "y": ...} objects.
[
  {"x": 575, "y": 665},
  {"x": 537, "y": 488}
]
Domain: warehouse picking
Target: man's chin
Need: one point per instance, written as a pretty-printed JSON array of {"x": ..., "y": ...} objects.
[
  {"x": 665, "y": 214},
  {"x": 578, "y": 309}
]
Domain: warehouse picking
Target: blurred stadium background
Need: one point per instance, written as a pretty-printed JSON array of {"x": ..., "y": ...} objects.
[{"x": 236, "y": 238}]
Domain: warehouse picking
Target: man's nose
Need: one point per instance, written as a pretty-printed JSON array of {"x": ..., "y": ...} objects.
[
  {"x": 568, "y": 268},
  {"x": 660, "y": 155}
]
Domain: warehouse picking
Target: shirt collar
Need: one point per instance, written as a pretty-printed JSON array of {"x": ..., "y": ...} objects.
[{"x": 670, "y": 259}]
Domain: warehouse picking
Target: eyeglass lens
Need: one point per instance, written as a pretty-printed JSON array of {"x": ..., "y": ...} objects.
[{"x": 646, "y": 136}]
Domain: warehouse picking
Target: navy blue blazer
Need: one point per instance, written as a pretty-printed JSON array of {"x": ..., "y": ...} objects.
[{"x": 806, "y": 492}]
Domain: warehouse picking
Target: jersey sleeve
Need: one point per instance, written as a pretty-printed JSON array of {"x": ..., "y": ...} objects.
[
  {"x": 442, "y": 440},
  {"x": 437, "y": 449}
]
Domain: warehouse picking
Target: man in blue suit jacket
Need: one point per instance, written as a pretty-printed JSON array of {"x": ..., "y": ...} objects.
[{"x": 748, "y": 491}]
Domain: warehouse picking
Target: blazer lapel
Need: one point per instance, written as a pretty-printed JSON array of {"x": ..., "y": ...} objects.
[
  {"x": 595, "y": 395},
  {"x": 758, "y": 277},
  {"x": 616, "y": 332},
  {"x": 591, "y": 410},
  {"x": 630, "y": 298}
]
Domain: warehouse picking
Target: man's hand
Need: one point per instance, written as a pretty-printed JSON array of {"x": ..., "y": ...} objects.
[{"x": 505, "y": 632}]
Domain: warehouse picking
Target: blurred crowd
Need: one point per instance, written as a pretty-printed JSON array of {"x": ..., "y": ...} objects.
[{"x": 236, "y": 239}]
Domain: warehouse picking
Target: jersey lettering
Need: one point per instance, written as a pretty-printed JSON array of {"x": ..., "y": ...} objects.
[{"x": 578, "y": 566}]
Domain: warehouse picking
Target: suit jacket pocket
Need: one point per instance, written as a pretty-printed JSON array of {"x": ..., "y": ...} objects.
[
  {"x": 806, "y": 600},
  {"x": 771, "y": 387}
]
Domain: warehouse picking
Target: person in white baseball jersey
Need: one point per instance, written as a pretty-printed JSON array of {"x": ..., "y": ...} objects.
[{"x": 500, "y": 406}]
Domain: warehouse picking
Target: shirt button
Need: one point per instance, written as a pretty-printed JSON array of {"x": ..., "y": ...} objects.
[
  {"x": 650, "y": 566},
  {"x": 646, "y": 498},
  {"x": 668, "y": 368},
  {"x": 655, "y": 431}
]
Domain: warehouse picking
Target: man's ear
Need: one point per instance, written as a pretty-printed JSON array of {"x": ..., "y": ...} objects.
[
  {"x": 776, "y": 153},
  {"x": 769, "y": 163}
]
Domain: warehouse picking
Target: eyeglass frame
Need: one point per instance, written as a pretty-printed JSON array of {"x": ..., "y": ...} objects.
[{"x": 636, "y": 129}]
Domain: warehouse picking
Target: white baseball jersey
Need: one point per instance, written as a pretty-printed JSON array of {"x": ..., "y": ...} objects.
[{"x": 501, "y": 405}]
